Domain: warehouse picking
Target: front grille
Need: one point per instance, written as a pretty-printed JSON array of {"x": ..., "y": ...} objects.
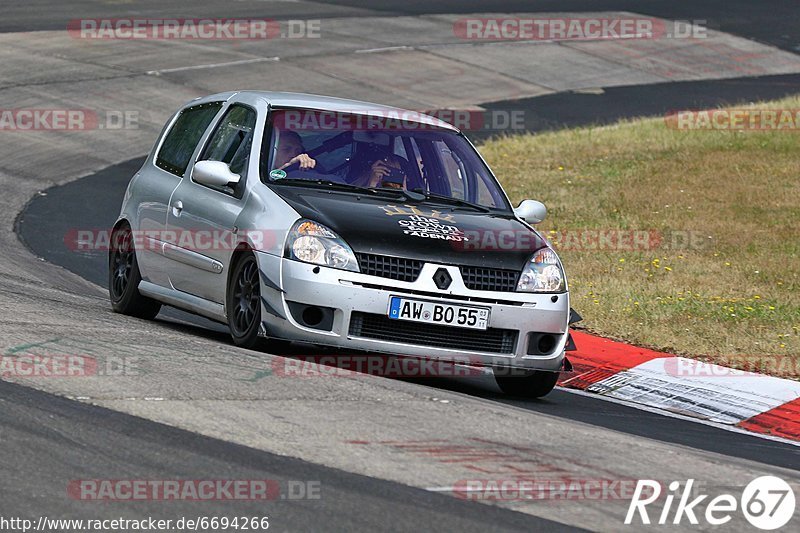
[
  {"x": 390, "y": 267},
  {"x": 489, "y": 279},
  {"x": 380, "y": 327},
  {"x": 402, "y": 269}
]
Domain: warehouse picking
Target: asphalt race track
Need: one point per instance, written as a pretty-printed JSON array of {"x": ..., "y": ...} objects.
[
  {"x": 385, "y": 452},
  {"x": 61, "y": 206},
  {"x": 770, "y": 21},
  {"x": 68, "y": 435}
]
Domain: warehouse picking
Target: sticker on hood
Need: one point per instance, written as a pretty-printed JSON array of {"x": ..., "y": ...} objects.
[{"x": 431, "y": 224}]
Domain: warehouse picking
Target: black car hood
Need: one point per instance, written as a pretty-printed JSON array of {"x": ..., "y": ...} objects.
[{"x": 427, "y": 231}]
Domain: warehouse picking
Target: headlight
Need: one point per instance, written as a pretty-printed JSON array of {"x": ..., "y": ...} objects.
[
  {"x": 543, "y": 273},
  {"x": 311, "y": 242}
]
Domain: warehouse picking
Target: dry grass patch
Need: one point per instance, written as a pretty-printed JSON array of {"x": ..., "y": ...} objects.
[{"x": 733, "y": 291}]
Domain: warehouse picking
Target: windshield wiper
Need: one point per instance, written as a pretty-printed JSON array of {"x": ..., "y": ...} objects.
[
  {"x": 337, "y": 185},
  {"x": 450, "y": 200},
  {"x": 324, "y": 183},
  {"x": 400, "y": 194}
]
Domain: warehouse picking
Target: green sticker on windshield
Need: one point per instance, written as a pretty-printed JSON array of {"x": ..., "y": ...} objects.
[{"x": 277, "y": 174}]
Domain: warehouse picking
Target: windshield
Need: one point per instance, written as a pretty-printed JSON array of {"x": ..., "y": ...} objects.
[{"x": 377, "y": 152}]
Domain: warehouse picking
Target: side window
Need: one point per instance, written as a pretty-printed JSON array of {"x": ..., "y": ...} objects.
[
  {"x": 232, "y": 142},
  {"x": 454, "y": 170},
  {"x": 182, "y": 139},
  {"x": 485, "y": 196}
]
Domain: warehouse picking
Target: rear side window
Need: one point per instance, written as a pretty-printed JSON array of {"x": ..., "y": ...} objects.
[{"x": 182, "y": 139}]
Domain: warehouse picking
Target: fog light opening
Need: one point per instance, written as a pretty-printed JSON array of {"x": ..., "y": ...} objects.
[
  {"x": 312, "y": 316},
  {"x": 546, "y": 344}
]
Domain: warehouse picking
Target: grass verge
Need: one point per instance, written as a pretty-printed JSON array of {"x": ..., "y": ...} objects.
[{"x": 718, "y": 277}]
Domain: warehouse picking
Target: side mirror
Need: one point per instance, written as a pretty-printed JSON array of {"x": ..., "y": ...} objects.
[
  {"x": 531, "y": 211},
  {"x": 214, "y": 173}
]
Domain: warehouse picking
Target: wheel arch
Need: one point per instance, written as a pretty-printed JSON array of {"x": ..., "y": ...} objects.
[
  {"x": 121, "y": 221},
  {"x": 241, "y": 250}
]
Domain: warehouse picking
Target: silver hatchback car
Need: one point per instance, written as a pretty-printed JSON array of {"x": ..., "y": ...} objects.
[{"x": 344, "y": 224}]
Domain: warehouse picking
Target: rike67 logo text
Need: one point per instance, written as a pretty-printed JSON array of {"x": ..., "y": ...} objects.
[{"x": 767, "y": 502}]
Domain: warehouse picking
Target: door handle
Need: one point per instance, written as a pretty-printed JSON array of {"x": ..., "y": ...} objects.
[{"x": 177, "y": 207}]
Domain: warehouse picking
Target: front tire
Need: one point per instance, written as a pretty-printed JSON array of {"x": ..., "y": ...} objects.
[
  {"x": 244, "y": 302},
  {"x": 534, "y": 385},
  {"x": 124, "y": 278}
]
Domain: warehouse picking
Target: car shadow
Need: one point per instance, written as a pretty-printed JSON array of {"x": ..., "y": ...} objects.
[{"x": 461, "y": 379}]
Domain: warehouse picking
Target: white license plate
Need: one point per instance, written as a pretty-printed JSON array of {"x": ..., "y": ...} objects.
[{"x": 461, "y": 316}]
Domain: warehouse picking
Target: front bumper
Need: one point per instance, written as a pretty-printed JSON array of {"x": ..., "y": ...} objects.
[{"x": 518, "y": 318}]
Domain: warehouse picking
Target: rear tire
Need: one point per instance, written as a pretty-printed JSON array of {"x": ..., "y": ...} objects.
[
  {"x": 534, "y": 385},
  {"x": 124, "y": 278},
  {"x": 243, "y": 302}
]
